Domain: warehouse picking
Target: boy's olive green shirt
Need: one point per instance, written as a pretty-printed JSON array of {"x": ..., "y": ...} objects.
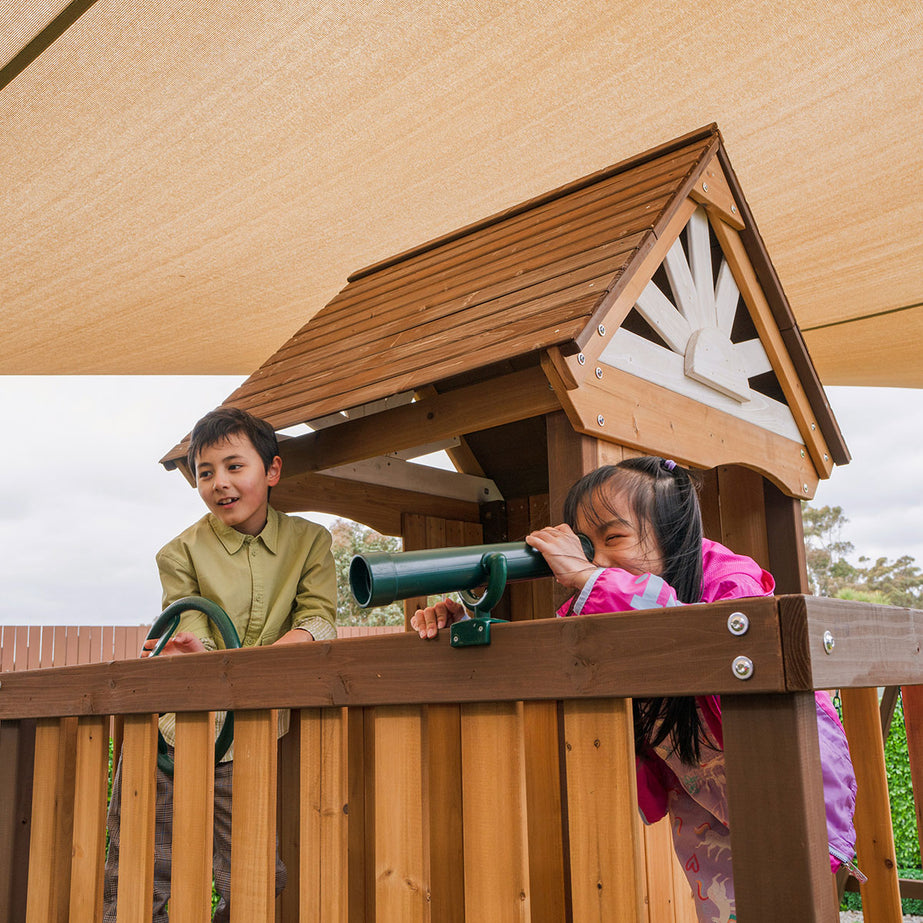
[{"x": 269, "y": 583}]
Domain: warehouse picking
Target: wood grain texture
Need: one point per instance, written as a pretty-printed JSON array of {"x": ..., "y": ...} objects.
[
  {"x": 588, "y": 657},
  {"x": 604, "y": 827},
  {"x": 17, "y": 744},
  {"x": 874, "y": 833},
  {"x": 194, "y": 802},
  {"x": 401, "y": 880},
  {"x": 778, "y": 814},
  {"x": 495, "y": 815},
  {"x": 324, "y": 816},
  {"x": 139, "y": 793},
  {"x": 89, "y": 841},
  {"x": 912, "y": 704},
  {"x": 253, "y": 832}
]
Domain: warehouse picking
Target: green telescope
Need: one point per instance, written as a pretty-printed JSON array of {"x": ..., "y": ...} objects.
[{"x": 379, "y": 578}]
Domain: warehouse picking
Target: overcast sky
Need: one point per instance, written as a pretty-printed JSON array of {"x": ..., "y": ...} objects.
[{"x": 84, "y": 504}]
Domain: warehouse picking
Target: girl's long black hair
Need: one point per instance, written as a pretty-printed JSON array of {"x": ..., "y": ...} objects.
[{"x": 662, "y": 496}]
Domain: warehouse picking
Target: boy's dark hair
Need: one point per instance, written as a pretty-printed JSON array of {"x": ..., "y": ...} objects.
[
  {"x": 662, "y": 496},
  {"x": 218, "y": 425}
]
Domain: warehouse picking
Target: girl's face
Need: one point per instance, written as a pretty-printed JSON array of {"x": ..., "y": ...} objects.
[{"x": 619, "y": 541}]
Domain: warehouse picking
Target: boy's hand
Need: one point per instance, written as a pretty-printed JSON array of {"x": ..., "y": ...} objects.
[
  {"x": 427, "y": 622},
  {"x": 183, "y": 642},
  {"x": 561, "y": 548}
]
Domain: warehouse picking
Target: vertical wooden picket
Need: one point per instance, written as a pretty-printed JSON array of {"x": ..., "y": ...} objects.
[
  {"x": 89, "y": 850},
  {"x": 253, "y": 831},
  {"x": 194, "y": 803}
]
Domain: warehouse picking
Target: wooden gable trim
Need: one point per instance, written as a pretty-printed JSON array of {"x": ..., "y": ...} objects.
[
  {"x": 619, "y": 407},
  {"x": 751, "y": 291},
  {"x": 785, "y": 319}
]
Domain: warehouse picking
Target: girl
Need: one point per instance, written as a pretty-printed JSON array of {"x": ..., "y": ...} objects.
[{"x": 643, "y": 519}]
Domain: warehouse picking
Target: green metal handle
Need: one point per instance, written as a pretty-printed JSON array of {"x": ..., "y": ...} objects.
[
  {"x": 495, "y": 566},
  {"x": 164, "y": 628}
]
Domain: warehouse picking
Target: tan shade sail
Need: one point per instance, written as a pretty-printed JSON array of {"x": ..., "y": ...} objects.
[{"x": 183, "y": 186}]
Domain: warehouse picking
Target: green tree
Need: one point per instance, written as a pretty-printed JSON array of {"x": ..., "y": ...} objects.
[
  {"x": 895, "y": 583},
  {"x": 349, "y": 539}
]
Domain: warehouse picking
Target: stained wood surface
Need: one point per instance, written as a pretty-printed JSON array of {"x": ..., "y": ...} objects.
[
  {"x": 139, "y": 794},
  {"x": 17, "y": 744},
  {"x": 253, "y": 831},
  {"x": 527, "y": 280},
  {"x": 89, "y": 842},
  {"x": 604, "y": 826},
  {"x": 194, "y": 803},
  {"x": 493, "y": 791},
  {"x": 590, "y": 656},
  {"x": 912, "y": 704},
  {"x": 874, "y": 833},
  {"x": 654, "y": 419},
  {"x": 776, "y": 736},
  {"x": 323, "y": 810}
]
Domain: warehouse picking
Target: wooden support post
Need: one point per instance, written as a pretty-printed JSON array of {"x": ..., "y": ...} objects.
[
  {"x": 776, "y": 808},
  {"x": 912, "y": 704},
  {"x": 253, "y": 829},
  {"x": 17, "y": 744},
  {"x": 194, "y": 807},
  {"x": 139, "y": 797},
  {"x": 874, "y": 833},
  {"x": 288, "y": 819},
  {"x": 89, "y": 852}
]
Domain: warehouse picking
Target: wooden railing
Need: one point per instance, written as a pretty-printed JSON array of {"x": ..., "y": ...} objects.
[{"x": 423, "y": 782}]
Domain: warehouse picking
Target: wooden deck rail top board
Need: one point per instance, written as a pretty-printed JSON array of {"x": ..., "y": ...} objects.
[{"x": 653, "y": 652}]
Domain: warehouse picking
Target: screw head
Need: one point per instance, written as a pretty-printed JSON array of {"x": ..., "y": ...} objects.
[
  {"x": 742, "y": 667},
  {"x": 600, "y": 419},
  {"x": 829, "y": 642},
  {"x": 704, "y": 187},
  {"x": 602, "y": 330},
  {"x": 733, "y": 209},
  {"x": 581, "y": 358},
  {"x": 599, "y": 372},
  {"x": 804, "y": 487},
  {"x": 738, "y": 623}
]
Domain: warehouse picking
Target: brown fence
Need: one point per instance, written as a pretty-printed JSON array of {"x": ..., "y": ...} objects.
[{"x": 37, "y": 647}]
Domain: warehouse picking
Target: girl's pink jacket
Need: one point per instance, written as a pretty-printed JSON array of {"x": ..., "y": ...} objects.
[{"x": 725, "y": 576}]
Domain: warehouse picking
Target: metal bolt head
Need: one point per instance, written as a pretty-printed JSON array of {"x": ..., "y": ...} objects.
[
  {"x": 802, "y": 453},
  {"x": 804, "y": 487},
  {"x": 733, "y": 209},
  {"x": 704, "y": 187},
  {"x": 813, "y": 426},
  {"x": 599, "y": 372},
  {"x": 829, "y": 642},
  {"x": 738, "y": 623},
  {"x": 581, "y": 358},
  {"x": 600, "y": 419},
  {"x": 602, "y": 330},
  {"x": 742, "y": 667}
]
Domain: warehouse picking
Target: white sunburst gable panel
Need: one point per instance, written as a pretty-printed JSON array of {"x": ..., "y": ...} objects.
[
  {"x": 646, "y": 360},
  {"x": 662, "y": 315},
  {"x": 683, "y": 285},
  {"x": 699, "y": 238},
  {"x": 753, "y": 357}
]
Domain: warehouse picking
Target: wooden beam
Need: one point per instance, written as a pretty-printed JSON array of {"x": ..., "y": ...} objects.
[
  {"x": 376, "y": 506},
  {"x": 652, "y": 419},
  {"x": 735, "y": 253},
  {"x": 592, "y": 656},
  {"x": 17, "y": 744},
  {"x": 778, "y": 813},
  {"x": 465, "y": 410},
  {"x": 712, "y": 191}
]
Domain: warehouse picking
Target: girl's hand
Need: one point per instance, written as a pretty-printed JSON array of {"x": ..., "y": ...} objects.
[
  {"x": 427, "y": 622},
  {"x": 561, "y": 548},
  {"x": 183, "y": 642}
]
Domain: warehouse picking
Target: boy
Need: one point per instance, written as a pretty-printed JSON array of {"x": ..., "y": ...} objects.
[{"x": 274, "y": 576}]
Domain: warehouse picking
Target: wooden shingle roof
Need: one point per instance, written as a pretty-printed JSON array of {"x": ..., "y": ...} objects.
[
  {"x": 536, "y": 280},
  {"x": 516, "y": 283}
]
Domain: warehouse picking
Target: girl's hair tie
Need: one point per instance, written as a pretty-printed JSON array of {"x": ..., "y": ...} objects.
[{"x": 667, "y": 464}]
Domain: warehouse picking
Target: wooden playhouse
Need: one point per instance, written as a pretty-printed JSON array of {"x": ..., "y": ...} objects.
[{"x": 634, "y": 311}]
